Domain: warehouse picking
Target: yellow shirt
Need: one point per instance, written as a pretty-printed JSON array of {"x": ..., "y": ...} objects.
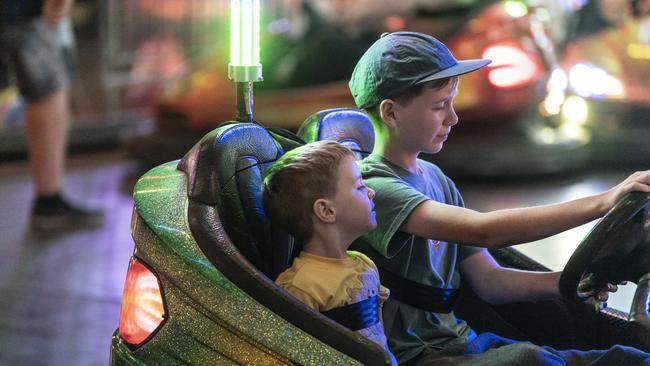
[{"x": 325, "y": 283}]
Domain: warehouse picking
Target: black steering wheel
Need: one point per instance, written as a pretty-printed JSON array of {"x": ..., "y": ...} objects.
[{"x": 616, "y": 249}]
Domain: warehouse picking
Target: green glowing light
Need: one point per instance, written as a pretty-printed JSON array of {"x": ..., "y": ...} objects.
[
  {"x": 235, "y": 33},
  {"x": 245, "y": 32},
  {"x": 245, "y": 41},
  {"x": 515, "y": 8},
  {"x": 256, "y": 32}
]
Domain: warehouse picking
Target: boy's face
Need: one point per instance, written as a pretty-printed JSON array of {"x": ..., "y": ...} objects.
[
  {"x": 353, "y": 200},
  {"x": 424, "y": 124}
]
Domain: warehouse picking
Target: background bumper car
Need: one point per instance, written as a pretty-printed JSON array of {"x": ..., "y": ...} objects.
[{"x": 603, "y": 83}]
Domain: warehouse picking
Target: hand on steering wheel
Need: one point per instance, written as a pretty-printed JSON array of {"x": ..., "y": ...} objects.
[
  {"x": 592, "y": 286},
  {"x": 617, "y": 249}
]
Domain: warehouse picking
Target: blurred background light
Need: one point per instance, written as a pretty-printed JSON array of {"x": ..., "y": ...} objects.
[
  {"x": 558, "y": 80},
  {"x": 592, "y": 81},
  {"x": 515, "y": 9},
  {"x": 638, "y": 51},
  {"x": 553, "y": 102},
  {"x": 575, "y": 110},
  {"x": 511, "y": 66}
]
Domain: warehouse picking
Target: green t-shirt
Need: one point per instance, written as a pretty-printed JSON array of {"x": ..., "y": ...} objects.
[{"x": 426, "y": 261}]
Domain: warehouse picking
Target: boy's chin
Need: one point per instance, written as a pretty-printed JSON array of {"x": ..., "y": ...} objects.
[{"x": 433, "y": 149}]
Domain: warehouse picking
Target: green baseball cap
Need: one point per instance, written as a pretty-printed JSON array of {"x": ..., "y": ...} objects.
[{"x": 400, "y": 60}]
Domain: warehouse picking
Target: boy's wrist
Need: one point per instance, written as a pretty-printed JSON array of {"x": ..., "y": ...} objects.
[
  {"x": 607, "y": 203},
  {"x": 601, "y": 204},
  {"x": 555, "y": 283}
]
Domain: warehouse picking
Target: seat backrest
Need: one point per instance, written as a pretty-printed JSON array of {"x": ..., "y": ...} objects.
[
  {"x": 348, "y": 126},
  {"x": 225, "y": 171}
]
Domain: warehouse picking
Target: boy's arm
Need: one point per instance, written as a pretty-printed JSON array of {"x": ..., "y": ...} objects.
[
  {"x": 384, "y": 294},
  {"x": 497, "y": 285},
  {"x": 496, "y": 229}
]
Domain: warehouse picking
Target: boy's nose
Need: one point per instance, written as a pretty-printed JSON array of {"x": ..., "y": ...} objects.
[
  {"x": 371, "y": 193},
  {"x": 452, "y": 119}
]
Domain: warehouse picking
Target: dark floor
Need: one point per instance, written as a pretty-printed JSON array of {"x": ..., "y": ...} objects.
[{"x": 60, "y": 294}]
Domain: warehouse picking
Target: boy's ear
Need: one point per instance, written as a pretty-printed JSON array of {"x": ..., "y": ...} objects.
[
  {"x": 324, "y": 211},
  {"x": 387, "y": 112}
]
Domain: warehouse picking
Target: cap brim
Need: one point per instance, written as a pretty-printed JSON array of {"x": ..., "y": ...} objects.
[{"x": 462, "y": 67}]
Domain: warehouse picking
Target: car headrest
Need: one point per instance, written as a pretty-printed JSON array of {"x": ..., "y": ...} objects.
[
  {"x": 350, "y": 127},
  {"x": 225, "y": 170}
]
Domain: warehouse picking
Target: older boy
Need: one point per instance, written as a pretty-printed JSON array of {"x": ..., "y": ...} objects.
[
  {"x": 315, "y": 192},
  {"x": 425, "y": 239}
]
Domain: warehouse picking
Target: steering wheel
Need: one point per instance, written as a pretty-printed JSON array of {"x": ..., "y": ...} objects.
[{"x": 617, "y": 249}]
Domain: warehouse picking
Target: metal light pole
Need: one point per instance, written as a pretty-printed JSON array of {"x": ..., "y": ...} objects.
[{"x": 244, "y": 68}]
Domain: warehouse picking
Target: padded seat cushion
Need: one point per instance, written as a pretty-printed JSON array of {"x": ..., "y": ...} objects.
[
  {"x": 348, "y": 126},
  {"x": 225, "y": 170}
]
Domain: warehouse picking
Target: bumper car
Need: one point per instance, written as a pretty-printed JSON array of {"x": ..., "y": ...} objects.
[
  {"x": 199, "y": 288},
  {"x": 603, "y": 82}
]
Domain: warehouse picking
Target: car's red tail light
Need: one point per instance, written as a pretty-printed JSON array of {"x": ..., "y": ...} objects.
[
  {"x": 142, "y": 310},
  {"x": 512, "y": 66}
]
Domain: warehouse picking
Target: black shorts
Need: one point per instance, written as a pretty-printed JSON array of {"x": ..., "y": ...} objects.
[{"x": 32, "y": 56}]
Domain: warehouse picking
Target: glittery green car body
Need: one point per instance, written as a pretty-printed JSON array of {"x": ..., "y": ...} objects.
[
  {"x": 209, "y": 320},
  {"x": 207, "y": 317}
]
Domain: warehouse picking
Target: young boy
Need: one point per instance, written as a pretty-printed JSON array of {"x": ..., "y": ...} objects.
[
  {"x": 425, "y": 239},
  {"x": 315, "y": 192}
]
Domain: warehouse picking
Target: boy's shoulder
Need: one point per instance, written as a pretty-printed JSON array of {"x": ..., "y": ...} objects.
[
  {"x": 397, "y": 185},
  {"x": 308, "y": 265},
  {"x": 362, "y": 257},
  {"x": 302, "y": 271},
  {"x": 309, "y": 270},
  {"x": 378, "y": 166}
]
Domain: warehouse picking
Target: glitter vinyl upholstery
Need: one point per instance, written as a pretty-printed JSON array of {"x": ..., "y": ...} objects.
[{"x": 209, "y": 320}]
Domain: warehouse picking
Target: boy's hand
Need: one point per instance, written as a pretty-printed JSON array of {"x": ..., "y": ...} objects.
[
  {"x": 591, "y": 286},
  {"x": 638, "y": 181}
]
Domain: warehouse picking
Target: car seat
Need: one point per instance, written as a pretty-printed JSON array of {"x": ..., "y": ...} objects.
[
  {"x": 225, "y": 170},
  {"x": 350, "y": 127}
]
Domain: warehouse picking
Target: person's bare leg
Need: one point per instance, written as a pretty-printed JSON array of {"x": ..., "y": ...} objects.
[
  {"x": 46, "y": 127},
  {"x": 46, "y": 130}
]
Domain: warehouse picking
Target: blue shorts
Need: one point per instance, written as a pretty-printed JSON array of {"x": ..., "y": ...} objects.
[
  {"x": 489, "y": 349},
  {"x": 32, "y": 57}
]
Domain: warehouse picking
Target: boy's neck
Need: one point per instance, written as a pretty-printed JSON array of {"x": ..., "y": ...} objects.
[
  {"x": 397, "y": 155},
  {"x": 325, "y": 252},
  {"x": 327, "y": 245}
]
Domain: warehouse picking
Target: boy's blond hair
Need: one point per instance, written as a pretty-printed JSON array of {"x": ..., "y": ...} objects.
[{"x": 297, "y": 180}]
